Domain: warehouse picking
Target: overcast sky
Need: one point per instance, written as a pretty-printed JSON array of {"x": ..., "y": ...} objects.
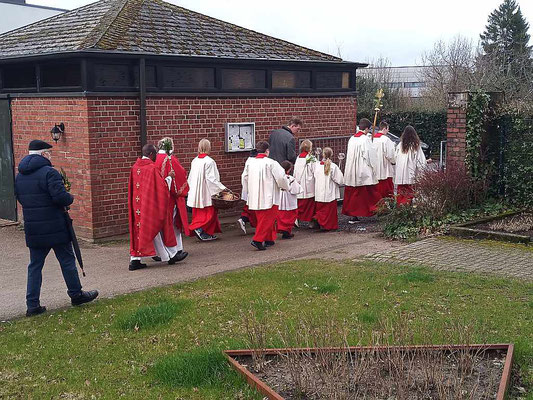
[{"x": 363, "y": 30}]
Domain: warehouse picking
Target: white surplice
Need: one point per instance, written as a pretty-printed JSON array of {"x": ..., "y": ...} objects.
[
  {"x": 289, "y": 198},
  {"x": 327, "y": 186},
  {"x": 385, "y": 157},
  {"x": 304, "y": 169},
  {"x": 263, "y": 178},
  {"x": 360, "y": 157},
  {"x": 204, "y": 182},
  {"x": 408, "y": 165}
]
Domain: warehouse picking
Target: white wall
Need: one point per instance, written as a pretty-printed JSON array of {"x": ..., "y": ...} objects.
[{"x": 15, "y": 16}]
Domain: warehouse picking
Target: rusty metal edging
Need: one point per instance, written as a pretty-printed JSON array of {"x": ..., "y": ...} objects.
[{"x": 272, "y": 395}]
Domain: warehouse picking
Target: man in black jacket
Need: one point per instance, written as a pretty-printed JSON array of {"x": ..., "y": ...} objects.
[
  {"x": 282, "y": 142},
  {"x": 41, "y": 192}
]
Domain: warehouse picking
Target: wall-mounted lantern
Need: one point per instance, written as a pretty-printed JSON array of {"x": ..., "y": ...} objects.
[{"x": 57, "y": 131}]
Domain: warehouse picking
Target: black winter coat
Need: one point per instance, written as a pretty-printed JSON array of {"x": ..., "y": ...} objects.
[{"x": 42, "y": 194}]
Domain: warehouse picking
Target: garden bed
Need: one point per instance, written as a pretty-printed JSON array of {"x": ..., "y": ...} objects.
[
  {"x": 400, "y": 372},
  {"x": 516, "y": 227}
]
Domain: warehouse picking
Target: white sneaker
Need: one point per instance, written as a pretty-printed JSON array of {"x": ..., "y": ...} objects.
[
  {"x": 242, "y": 224},
  {"x": 354, "y": 220}
]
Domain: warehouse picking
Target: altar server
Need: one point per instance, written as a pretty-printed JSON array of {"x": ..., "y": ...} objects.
[
  {"x": 410, "y": 161},
  {"x": 385, "y": 159},
  {"x": 247, "y": 215},
  {"x": 204, "y": 182},
  {"x": 263, "y": 178},
  {"x": 288, "y": 206},
  {"x": 360, "y": 193},
  {"x": 328, "y": 178},
  {"x": 304, "y": 169}
]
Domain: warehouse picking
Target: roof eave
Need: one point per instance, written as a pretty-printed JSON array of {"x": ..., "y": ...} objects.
[{"x": 91, "y": 52}]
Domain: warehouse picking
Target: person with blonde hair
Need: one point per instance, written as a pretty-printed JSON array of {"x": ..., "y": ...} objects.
[
  {"x": 410, "y": 161},
  {"x": 328, "y": 178},
  {"x": 288, "y": 205},
  {"x": 204, "y": 183},
  {"x": 304, "y": 169}
]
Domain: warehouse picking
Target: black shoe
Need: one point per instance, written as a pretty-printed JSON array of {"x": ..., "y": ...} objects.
[
  {"x": 84, "y": 297},
  {"x": 35, "y": 311},
  {"x": 180, "y": 255},
  {"x": 286, "y": 235},
  {"x": 156, "y": 258},
  {"x": 199, "y": 233},
  {"x": 136, "y": 264},
  {"x": 269, "y": 243},
  {"x": 313, "y": 224},
  {"x": 258, "y": 245}
]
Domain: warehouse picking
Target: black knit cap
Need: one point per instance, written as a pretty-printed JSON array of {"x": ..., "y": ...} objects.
[{"x": 39, "y": 145}]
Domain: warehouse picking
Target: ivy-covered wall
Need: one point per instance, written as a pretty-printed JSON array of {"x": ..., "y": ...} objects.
[{"x": 430, "y": 126}]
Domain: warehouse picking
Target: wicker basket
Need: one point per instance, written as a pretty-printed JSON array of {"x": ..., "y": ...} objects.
[{"x": 222, "y": 201}]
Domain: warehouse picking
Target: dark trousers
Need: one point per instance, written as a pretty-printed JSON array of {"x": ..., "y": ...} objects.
[{"x": 65, "y": 256}]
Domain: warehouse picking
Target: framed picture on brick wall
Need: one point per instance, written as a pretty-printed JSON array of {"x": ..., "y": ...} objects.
[{"x": 240, "y": 136}]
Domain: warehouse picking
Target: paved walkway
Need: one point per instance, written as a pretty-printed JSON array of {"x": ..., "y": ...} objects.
[
  {"x": 107, "y": 266},
  {"x": 450, "y": 254}
]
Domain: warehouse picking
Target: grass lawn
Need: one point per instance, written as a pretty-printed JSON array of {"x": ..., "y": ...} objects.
[{"x": 163, "y": 343}]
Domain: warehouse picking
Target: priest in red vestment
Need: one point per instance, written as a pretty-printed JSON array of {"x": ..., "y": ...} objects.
[
  {"x": 166, "y": 162},
  {"x": 150, "y": 218}
]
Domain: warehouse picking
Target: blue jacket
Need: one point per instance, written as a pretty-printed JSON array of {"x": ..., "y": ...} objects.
[{"x": 40, "y": 191}]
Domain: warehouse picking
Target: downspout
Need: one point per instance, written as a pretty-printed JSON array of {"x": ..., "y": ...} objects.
[{"x": 142, "y": 100}]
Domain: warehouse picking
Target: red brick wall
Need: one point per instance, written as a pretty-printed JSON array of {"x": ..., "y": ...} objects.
[
  {"x": 456, "y": 138},
  {"x": 102, "y": 140},
  {"x": 32, "y": 119}
]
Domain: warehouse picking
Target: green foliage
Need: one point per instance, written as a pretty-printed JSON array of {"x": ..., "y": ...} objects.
[
  {"x": 201, "y": 367},
  {"x": 477, "y": 115},
  {"x": 430, "y": 126},
  {"x": 518, "y": 161},
  {"x": 153, "y": 315}
]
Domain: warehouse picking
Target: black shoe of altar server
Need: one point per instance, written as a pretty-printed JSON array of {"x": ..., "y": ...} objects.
[
  {"x": 35, "y": 311},
  {"x": 136, "y": 264},
  {"x": 286, "y": 235},
  {"x": 180, "y": 255},
  {"x": 354, "y": 220},
  {"x": 269, "y": 243},
  {"x": 156, "y": 258},
  {"x": 84, "y": 297},
  {"x": 258, "y": 245}
]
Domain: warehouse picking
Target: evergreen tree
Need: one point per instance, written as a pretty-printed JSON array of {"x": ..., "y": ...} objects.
[{"x": 505, "y": 44}]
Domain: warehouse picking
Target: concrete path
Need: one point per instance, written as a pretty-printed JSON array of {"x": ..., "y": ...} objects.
[
  {"x": 444, "y": 253},
  {"x": 107, "y": 266}
]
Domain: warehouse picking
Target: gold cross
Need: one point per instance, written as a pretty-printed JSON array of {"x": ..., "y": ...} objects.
[
  {"x": 138, "y": 172},
  {"x": 138, "y": 212},
  {"x": 137, "y": 185},
  {"x": 138, "y": 224},
  {"x": 137, "y": 199}
]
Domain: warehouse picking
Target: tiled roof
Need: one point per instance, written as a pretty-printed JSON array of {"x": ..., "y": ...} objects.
[{"x": 148, "y": 26}]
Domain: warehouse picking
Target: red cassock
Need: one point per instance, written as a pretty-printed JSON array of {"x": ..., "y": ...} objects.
[
  {"x": 266, "y": 225},
  {"x": 360, "y": 201},
  {"x": 178, "y": 189},
  {"x": 205, "y": 218},
  {"x": 286, "y": 219},
  {"x": 326, "y": 215},
  {"x": 306, "y": 209},
  {"x": 250, "y": 214},
  {"x": 405, "y": 194},
  {"x": 149, "y": 214},
  {"x": 386, "y": 188}
]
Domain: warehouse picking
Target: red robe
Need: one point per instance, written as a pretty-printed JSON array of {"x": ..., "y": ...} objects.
[
  {"x": 178, "y": 189},
  {"x": 149, "y": 214},
  {"x": 266, "y": 225}
]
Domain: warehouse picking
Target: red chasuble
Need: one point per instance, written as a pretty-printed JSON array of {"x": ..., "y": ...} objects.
[
  {"x": 178, "y": 189},
  {"x": 148, "y": 199}
]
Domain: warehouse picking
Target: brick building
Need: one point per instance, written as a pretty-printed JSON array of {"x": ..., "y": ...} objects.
[{"x": 121, "y": 73}]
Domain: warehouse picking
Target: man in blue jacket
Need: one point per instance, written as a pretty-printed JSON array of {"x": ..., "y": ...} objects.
[{"x": 42, "y": 194}]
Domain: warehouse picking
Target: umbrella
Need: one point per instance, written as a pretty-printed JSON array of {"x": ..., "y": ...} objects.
[{"x": 74, "y": 239}]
